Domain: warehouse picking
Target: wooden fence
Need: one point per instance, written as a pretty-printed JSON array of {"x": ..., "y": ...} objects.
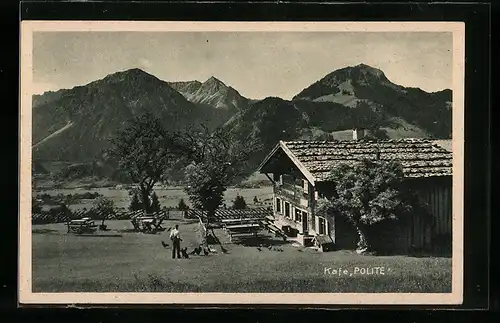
[
  {"x": 63, "y": 217},
  {"x": 225, "y": 214}
]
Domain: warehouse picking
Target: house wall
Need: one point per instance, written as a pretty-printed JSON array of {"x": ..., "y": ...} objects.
[
  {"x": 303, "y": 199},
  {"x": 300, "y": 194},
  {"x": 434, "y": 233},
  {"x": 323, "y": 190},
  {"x": 289, "y": 192},
  {"x": 416, "y": 232}
]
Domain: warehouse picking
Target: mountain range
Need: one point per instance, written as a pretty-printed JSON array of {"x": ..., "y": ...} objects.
[
  {"x": 75, "y": 125},
  {"x": 212, "y": 92}
]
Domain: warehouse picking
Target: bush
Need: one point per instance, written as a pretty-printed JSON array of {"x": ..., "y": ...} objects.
[
  {"x": 369, "y": 193},
  {"x": 60, "y": 213},
  {"x": 239, "y": 203},
  {"x": 103, "y": 208},
  {"x": 88, "y": 195},
  {"x": 36, "y": 205}
]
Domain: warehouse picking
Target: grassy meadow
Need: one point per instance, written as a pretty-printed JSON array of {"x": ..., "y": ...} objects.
[
  {"x": 137, "y": 262},
  {"x": 168, "y": 197}
]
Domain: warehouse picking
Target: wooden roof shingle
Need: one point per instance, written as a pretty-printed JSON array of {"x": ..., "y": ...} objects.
[{"x": 419, "y": 157}]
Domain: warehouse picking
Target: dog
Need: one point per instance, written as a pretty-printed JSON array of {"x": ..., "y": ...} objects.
[{"x": 184, "y": 253}]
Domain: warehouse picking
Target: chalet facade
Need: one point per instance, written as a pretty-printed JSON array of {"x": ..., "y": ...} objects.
[{"x": 299, "y": 171}]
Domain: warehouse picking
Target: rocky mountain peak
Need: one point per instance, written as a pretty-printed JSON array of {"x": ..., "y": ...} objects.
[{"x": 213, "y": 83}]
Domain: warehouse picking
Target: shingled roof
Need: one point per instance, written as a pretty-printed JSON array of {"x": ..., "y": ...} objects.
[{"x": 419, "y": 157}]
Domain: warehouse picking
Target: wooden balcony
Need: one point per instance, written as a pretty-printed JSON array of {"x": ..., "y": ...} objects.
[{"x": 294, "y": 193}]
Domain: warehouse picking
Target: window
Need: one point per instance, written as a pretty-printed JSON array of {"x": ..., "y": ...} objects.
[
  {"x": 322, "y": 225},
  {"x": 278, "y": 205},
  {"x": 306, "y": 187},
  {"x": 287, "y": 209},
  {"x": 298, "y": 215}
]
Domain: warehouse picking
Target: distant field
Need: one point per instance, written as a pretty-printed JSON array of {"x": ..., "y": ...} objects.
[
  {"x": 168, "y": 197},
  {"x": 138, "y": 262}
]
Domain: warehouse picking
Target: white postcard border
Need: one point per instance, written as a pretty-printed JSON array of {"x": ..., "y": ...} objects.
[{"x": 26, "y": 296}]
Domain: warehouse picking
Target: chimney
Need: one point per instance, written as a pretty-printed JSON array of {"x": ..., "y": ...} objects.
[{"x": 358, "y": 133}]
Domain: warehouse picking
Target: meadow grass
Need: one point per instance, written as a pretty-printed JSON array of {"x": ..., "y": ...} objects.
[{"x": 137, "y": 262}]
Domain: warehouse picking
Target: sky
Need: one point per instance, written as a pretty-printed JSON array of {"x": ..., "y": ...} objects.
[{"x": 257, "y": 64}]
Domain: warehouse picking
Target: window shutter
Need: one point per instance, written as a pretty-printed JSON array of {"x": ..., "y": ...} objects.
[{"x": 306, "y": 187}]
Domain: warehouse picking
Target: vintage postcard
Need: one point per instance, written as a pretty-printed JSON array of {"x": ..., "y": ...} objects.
[{"x": 241, "y": 162}]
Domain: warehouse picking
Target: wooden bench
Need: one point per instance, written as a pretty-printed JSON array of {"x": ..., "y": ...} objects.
[{"x": 239, "y": 230}]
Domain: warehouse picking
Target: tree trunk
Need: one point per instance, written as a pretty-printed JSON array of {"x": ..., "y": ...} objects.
[
  {"x": 203, "y": 235},
  {"x": 211, "y": 215},
  {"x": 145, "y": 199},
  {"x": 363, "y": 244}
]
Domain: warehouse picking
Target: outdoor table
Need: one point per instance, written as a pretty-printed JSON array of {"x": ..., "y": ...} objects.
[{"x": 82, "y": 225}]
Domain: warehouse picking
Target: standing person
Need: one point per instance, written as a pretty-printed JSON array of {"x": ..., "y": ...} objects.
[{"x": 176, "y": 241}]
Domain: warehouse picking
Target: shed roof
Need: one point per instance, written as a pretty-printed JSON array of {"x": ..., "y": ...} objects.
[{"x": 419, "y": 157}]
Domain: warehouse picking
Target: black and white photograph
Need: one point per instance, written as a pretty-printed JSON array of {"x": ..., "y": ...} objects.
[{"x": 241, "y": 163}]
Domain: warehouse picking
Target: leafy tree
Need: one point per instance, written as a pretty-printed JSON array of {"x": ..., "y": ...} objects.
[
  {"x": 368, "y": 193},
  {"x": 103, "y": 208},
  {"x": 215, "y": 160},
  {"x": 60, "y": 212},
  {"x": 377, "y": 134},
  {"x": 135, "y": 203},
  {"x": 142, "y": 152},
  {"x": 239, "y": 203},
  {"x": 155, "y": 203},
  {"x": 182, "y": 206}
]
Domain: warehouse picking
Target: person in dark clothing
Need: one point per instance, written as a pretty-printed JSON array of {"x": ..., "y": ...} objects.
[{"x": 176, "y": 242}]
